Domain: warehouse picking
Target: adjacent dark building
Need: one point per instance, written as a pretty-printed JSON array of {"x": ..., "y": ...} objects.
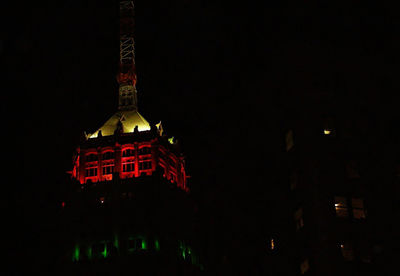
[{"x": 336, "y": 179}]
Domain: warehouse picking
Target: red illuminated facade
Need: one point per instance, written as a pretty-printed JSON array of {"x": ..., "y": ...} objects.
[{"x": 130, "y": 155}]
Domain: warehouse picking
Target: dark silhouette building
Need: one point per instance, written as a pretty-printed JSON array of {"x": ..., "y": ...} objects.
[
  {"x": 335, "y": 182},
  {"x": 127, "y": 206}
]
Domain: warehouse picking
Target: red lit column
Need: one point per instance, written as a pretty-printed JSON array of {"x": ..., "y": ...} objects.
[
  {"x": 99, "y": 165},
  {"x": 118, "y": 158},
  {"x": 82, "y": 161},
  {"x": 136, "y": 148}
]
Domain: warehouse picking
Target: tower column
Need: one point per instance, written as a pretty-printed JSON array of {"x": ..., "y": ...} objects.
[{"x": 127, "y": 70}]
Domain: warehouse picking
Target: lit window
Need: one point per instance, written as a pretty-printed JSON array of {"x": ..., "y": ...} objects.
[
  {"x": 91, "y": 171},
  {"x": 327, "y": 131},
  {"x": 91, "y": 157},
  {"x": 108, "y": 155},
  {"x": 128, "y": 166},
  {"x": 304, "y": 266},
  {"x": 298, "y": 217},
  {"x": 347, "y": 251},
  {"x": 144, "y": 165},
  {"x": 144, "y": 150},
  {"x": 108, "y": 169},
  {"x": 289, "y": 140},
  {"x": 358, "y": 208},
  {"x": 128, "y": 152},
  {"x": 341, "y": 207},
  {"x": 272, "y": 244}
]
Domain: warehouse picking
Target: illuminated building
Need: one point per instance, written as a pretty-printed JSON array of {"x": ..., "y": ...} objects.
[{"x": 127, "y": 208}]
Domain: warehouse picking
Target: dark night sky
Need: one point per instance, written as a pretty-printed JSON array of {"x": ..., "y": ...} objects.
[{"x": 217, "y": 74}]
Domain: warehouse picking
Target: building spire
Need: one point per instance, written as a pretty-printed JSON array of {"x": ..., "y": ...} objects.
[{"x": 127, "y": 70}]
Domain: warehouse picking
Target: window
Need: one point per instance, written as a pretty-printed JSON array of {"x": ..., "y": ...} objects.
[
  {"x": 272, "y": 244},
  {"x": 358, "y": 208},
  {"x": 128, "y": 153},
  {"x": 298, "y": 217},
  {"x": 328, "y": 126},
  {"x": 108, "y": 155},
  {"x": 144, "y": 150},
  {"x": 347, "y": 251},
  {"x": 128, "y": 166},
  {"x": 91, "y": 171},
  {"x": 304, "y": 266},
  {"x": 144, "y": 165},
  {"x": 108, "y": 169},
  {"x": 327, "y": 131},
  {"x": 91, "y": 157},
  {"x": 289, "y": 140},
  {"x": 341, "y": 207}
]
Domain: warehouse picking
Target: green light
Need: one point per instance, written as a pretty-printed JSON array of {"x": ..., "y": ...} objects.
[
  {"x": 157, "y": 245},
  {"x": 144, "y": 245},
  {"x": 104, "y": 253},
  {"x": 75, "y": 256}
]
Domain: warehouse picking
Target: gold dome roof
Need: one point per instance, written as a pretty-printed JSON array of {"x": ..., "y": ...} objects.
[{"x": 129, "y": 119}]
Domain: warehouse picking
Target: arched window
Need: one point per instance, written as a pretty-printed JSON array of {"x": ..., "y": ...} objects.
[
  {"x": 128, "y": 153},
  {"x": 108, "y": 155},
  {"x": 91, "y": 157}
]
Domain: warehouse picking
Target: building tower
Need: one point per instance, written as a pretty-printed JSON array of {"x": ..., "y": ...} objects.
[{"x": 127, "y": 206}]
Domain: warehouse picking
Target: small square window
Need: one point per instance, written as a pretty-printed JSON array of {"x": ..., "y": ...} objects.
[
  {"x": 358, "y": 208},
  {"x": 341, "y": 207}
]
